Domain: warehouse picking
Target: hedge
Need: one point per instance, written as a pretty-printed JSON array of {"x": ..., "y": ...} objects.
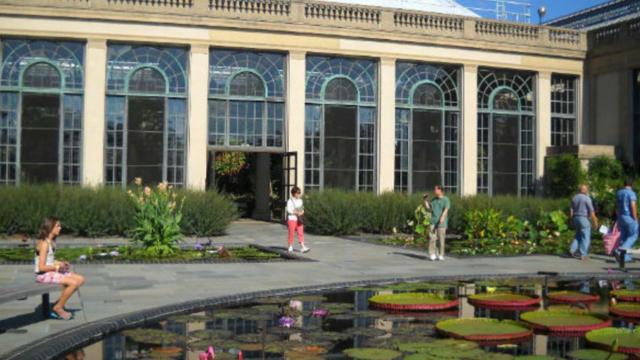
[
  {"x": 333, "y": 212},
  {"x": 102, "y": 211}
]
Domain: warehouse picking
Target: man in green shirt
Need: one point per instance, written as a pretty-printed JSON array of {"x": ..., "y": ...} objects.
[{"x": 439, "y": 220}]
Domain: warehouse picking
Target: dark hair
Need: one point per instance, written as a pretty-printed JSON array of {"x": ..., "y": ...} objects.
[
  {"x": 295, "y": 190},
  {"x": 628, "y": 182},
  {"x": 47, "y": 227}
]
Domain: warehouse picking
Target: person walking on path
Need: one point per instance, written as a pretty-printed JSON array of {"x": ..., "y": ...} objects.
[
  {"x": 627, "y": 217},
  {"x": 581, "y": 212},
  {"x": 50, "y": 271},
  {"x": 295, "y": 222},
  {"x": 439, "y": 221}
]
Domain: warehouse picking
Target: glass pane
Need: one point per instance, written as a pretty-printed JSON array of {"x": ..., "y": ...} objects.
[
  {"x": 246, "y": 84},
  {"x": 505, "y": 184},
  {"x": 427, "y": 125},
  {"x": 41, "y": 75},
  {"x": 40, "y": 135},
  {"x": 341, "y": 89},
  {"x": 505, "y": 100},
  {"x": 340, "y": 147},
  {"x": 340, "y": 121},
  {"x": 427, "y": 95},
  {"x": 145, "y": 145},
  {"x": 147, "y": 80},
  {"x": 505, "y": 129},
  {"x": 425, "y": 180}
]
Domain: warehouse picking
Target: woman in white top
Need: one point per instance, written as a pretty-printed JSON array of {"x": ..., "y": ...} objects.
[
  {"x": 50, "y": 271},
  {"x": 295, "y": 211}
]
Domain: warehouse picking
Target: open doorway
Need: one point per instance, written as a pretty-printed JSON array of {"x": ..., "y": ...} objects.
[{"x": 258, "y": 182}]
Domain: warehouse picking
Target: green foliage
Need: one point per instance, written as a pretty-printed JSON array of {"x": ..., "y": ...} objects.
[
  {"x": 333, "y": 212},
  {"x": 372, "y": 354},
  {"x": 106, "y": 211},
  {"x": 605, "y": 177},
  {"x": 158, "y": 216},
  {"x": 563, "y": 174},
  {"x": 230, "y": 163},
  {"x": 421, "y": 222}
]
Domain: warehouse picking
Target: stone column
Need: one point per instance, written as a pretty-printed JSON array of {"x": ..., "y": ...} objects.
[
  {"x": 543, "y": 121},
  {"x": 197, "y": 128},
  {"x": 469, "y": 132},
  {"x": 386, "y": 125},
  {"x": 294, "y": 127},
  {"x": 262, "y": 210},
  {"x": 93, "y": 132}
]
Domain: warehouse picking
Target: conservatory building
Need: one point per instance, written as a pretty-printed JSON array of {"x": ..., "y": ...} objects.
[{"x": 361, "y": 95}]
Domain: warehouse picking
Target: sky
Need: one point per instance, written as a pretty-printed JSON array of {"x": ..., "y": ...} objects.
[{"x": 555, "y": 8}]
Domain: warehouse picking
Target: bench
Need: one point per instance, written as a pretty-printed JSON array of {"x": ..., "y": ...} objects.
[{"x": 21, "y": 292}]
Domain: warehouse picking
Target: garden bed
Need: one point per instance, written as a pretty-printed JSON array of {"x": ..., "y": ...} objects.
[
  {"x": 565, "y": 322},
  {"x": 134, "y": 255}
]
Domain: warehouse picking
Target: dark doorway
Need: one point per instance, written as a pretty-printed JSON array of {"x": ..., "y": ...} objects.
[
  {"x": 145, "y": 145},
  {"x": 505, "y": 154},
  {"x": 340, "y": 146},
  {"x": 427, "y": 149},
  {"x": 39, "y": 156}
]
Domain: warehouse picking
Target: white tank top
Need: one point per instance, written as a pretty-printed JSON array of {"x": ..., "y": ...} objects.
[{"x": 50, "y": 258}]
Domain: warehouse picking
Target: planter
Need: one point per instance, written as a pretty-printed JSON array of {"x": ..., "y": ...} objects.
[
  {"x": 628, "y": 341},
  {"x": 627, "y": 310},
  {"x": 412, "y": 302},
  {"x": 571, "y": 297},
  {"x": 484, "y": 330},
  {"x": 565, "y": 322},
  {"x": 504, "y": 301},
  {"x": 626, "y": 295}
]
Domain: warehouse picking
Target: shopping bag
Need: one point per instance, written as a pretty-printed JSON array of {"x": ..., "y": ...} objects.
[{"x": 612, "y": 239}]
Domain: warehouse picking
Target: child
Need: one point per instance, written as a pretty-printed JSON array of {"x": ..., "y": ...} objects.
[{"x": 295, "y": 212}]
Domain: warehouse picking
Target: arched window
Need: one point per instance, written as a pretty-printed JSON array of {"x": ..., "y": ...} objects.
[
  {"x": 427, "y": 95},
  {"x": 246, "y": 84},
  {"x": 146, "y": 114},
  {"x": 40, "y": 111},
  {"x": 147, "y": 80},
  {"x": 341, "y": 89},
  {"x": 506, "y": 132},
  {"x": 340, "y": 123},
  {"x": 427, "y": 118},
  {"x": 41, "y": 75}
]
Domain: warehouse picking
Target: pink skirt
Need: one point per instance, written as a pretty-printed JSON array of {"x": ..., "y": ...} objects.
[{"x": 51, "y": 277}]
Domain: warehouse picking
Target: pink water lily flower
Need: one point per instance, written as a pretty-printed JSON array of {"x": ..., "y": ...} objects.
[
  {"x": 209, "y": 355},
  {"x": 319, "y": 313}
]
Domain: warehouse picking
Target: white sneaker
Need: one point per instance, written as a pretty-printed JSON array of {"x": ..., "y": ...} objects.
[
  {"x": 304, "y": 249},
  {"x": 432, "y": 257},
  {"x": 441, "y": 258},
  {"x": 290, "y": 249}
]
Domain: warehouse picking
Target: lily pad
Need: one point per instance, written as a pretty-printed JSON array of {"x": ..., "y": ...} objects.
[
  {"x": 281, "y": 346},
  {"x": 567, "y": 307},
  {"x": 256, "y": 338},
  {"x": 571, "y": 297},
  {"x": 365, "y": 331},
  {"x": 267, "y": 308},
  {"x": 321, "y": 336},
  {"x": 165, "y": 352},
  {"x": 211, "y": 334},
  {"x": 504, "y": 300},
  {"x": 593, "y": 354},
  {"x": 565, "y": 321},
  {"x": 627, "y": 295},
  {"x": 419, "y": 286},
  {"x": 308, "y": 352},
  {"x": 628, "y": 341},
  {"x": 337, "y": 308},
  {"x": 154, "y": 336},
  {"x": 626, "y": 309},
  {"x": 443, "y": 349},
  {"x": 412, "y": 301},
  {"x": 483, "y": 329},
  {"x": 372, "y": 354},
  {"x": 203, "y": 345}
]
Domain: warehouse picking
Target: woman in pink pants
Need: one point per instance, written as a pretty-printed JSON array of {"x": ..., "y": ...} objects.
[{"x": 295, "y": 210}]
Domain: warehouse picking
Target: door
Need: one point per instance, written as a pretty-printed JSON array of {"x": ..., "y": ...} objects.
[
  {"x": 39, "y": 151},
  {"x": 340, "y": 146},
  {"x": 145, "y": 143},
  {"x": 505, "y": 154}
]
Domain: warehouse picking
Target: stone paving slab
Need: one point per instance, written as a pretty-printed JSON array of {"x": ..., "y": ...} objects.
[{"x": 113, "y": 289}]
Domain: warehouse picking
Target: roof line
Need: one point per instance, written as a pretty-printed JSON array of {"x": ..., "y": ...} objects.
[{"x": 583, "y": 11}]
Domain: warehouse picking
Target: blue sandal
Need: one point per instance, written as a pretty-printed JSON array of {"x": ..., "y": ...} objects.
[{"x": 56, "y": 316}]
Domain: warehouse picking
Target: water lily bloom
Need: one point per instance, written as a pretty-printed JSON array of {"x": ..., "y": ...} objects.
[
  {"x": 287, "y": 321},
  {"x": 319, "y": 313},
  {"x": 147, "y": 191},
  {"x": 137, "y": 181}
]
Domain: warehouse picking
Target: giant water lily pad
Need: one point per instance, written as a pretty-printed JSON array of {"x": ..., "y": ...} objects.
[
  {"x": 628, "y": 341},
  {"x": 443, "y": 349},
  {"x": 165, "y": 352},
  {"x": 568, "y": 307},
  {"x": 365, "y": 331},
  {"x": 154, "y": 336},
  {"x": 323, "y": 336},
  {"x": 565, "y": 321},
  {"x": 626, "y": 309},
  {"x": 372, "y": 354},
  {"x": 483, "y": 329},
  {"x": 256, "y": 338},
  {"x": 572, "y": 297},
  {"x": 594, "y": 354},
  {"x": 627, "y": 295},
  {"x": 412, "y": 302},
  {"x": 337, "y": 308},
  {"x": 504, "y": 300},
  {"x": 211, "y": 334}
]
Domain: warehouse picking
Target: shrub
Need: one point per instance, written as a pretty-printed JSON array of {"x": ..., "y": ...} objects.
[
  {"x": 333, "y": 212},
  {"x": 157, "y": 219},
  {"x": 563, "y": 174},
  {"x": 207, "y": 213},
  {"x": 103, "y": 211},
  {"x": 605, "y": 176}
]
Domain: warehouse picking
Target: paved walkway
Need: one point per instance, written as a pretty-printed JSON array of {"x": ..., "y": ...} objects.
[{"x": 118, "y": 289}]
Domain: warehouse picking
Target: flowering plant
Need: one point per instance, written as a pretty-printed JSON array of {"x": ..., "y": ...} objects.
[{"x": 157, "y": 219}]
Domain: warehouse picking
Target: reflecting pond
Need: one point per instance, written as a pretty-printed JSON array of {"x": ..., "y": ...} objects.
[{"x": 333, "y": 325}]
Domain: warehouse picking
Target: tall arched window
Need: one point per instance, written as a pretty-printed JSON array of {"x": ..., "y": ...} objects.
[
  {"x": 246, "y": 100},
  {"x": 340, "y": 118},
  {"x": 146, "y": 115},
  {"x": 506, "y": 132},
  {"x": 40, "y": 111},
  {"x": 427, "y": 116}
]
